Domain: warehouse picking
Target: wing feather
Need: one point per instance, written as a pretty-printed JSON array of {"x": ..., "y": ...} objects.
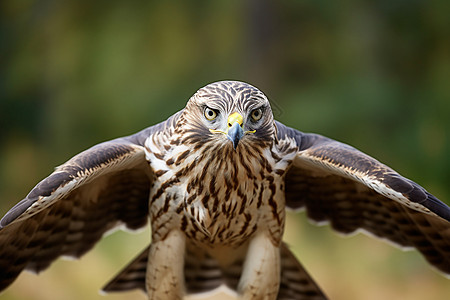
[
  {"x": 96, "y": 191},
  {"x": 352, "y": 191}
]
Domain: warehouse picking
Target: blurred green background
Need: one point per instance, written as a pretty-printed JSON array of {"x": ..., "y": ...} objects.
[{"x": 374, "y": 74}]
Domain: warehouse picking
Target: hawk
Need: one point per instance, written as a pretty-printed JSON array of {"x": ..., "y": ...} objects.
[{"x": 214, "y": 180}]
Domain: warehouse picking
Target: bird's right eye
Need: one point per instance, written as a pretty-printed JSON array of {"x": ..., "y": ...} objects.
[{"x": 210, "y": 114}]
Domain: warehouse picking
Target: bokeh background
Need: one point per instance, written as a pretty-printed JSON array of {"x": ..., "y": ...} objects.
[{"x": 374, "y": 74}]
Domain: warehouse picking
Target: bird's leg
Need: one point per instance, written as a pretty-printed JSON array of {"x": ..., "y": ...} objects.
[
  {"x": 165, "y": 278},
  {"x": 260, "y": 277}
]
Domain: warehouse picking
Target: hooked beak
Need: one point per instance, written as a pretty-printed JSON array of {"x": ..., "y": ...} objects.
[{"x": 235, "y": 131}]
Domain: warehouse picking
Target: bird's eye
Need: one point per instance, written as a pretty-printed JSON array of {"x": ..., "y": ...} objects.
[
  {"x": 210, "y": 114},
  {"x": 257, "y": 114}
]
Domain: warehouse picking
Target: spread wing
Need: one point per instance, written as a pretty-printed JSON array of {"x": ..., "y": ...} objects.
[
  {"x": 352, "y": 191},
  {"x": 96, "y": 191}
]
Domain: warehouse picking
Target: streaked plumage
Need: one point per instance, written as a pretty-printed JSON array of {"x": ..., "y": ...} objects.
[{"x": 214, "y": 180}]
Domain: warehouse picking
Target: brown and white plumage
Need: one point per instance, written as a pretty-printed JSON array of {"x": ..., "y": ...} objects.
[{"x": 214, "y": 180}]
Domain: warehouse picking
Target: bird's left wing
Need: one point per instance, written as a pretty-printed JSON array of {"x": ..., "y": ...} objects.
[
  {"x": 69, "y": 211},
  {"x": 352, "y": 191}
]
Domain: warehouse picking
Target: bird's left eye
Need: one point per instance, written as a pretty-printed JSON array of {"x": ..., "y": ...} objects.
[
  {"x": 257, "y": 114},
  {"x": 210, "y": 114}
]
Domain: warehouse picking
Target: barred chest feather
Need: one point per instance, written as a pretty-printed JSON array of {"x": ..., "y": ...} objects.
[{"x": 216, "y": 194}]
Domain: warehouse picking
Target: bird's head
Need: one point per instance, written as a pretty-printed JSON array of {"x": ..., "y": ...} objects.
[{"x": 230, "y": 111}]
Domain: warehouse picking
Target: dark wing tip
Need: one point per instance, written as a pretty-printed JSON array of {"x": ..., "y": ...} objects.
[
  {"x": 417, "y": 194},
  {"x": 360, "y": 165},
  {"x": 437, "y": 206},
  {"x": 43, "y": 189},
  {"x": 78, "y": 166},
  {"x": 15, "y": 212}
]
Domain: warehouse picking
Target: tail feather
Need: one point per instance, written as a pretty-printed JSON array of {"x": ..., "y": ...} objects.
[
  {"x": 296, "y": 283},
  {"x": 203, "y": 274},
  {"x": 131, "y": 277}
]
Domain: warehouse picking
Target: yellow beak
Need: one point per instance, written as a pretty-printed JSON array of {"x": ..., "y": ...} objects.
[
  {"x": 235, "y": 117},
  {"x": 235, "y": 131}
]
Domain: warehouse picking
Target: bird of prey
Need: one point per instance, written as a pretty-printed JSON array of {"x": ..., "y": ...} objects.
[{"x": 215, "y": 180}]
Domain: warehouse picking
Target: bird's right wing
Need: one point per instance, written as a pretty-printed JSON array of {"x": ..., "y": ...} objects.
[{"x": 65, "y": 214}]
